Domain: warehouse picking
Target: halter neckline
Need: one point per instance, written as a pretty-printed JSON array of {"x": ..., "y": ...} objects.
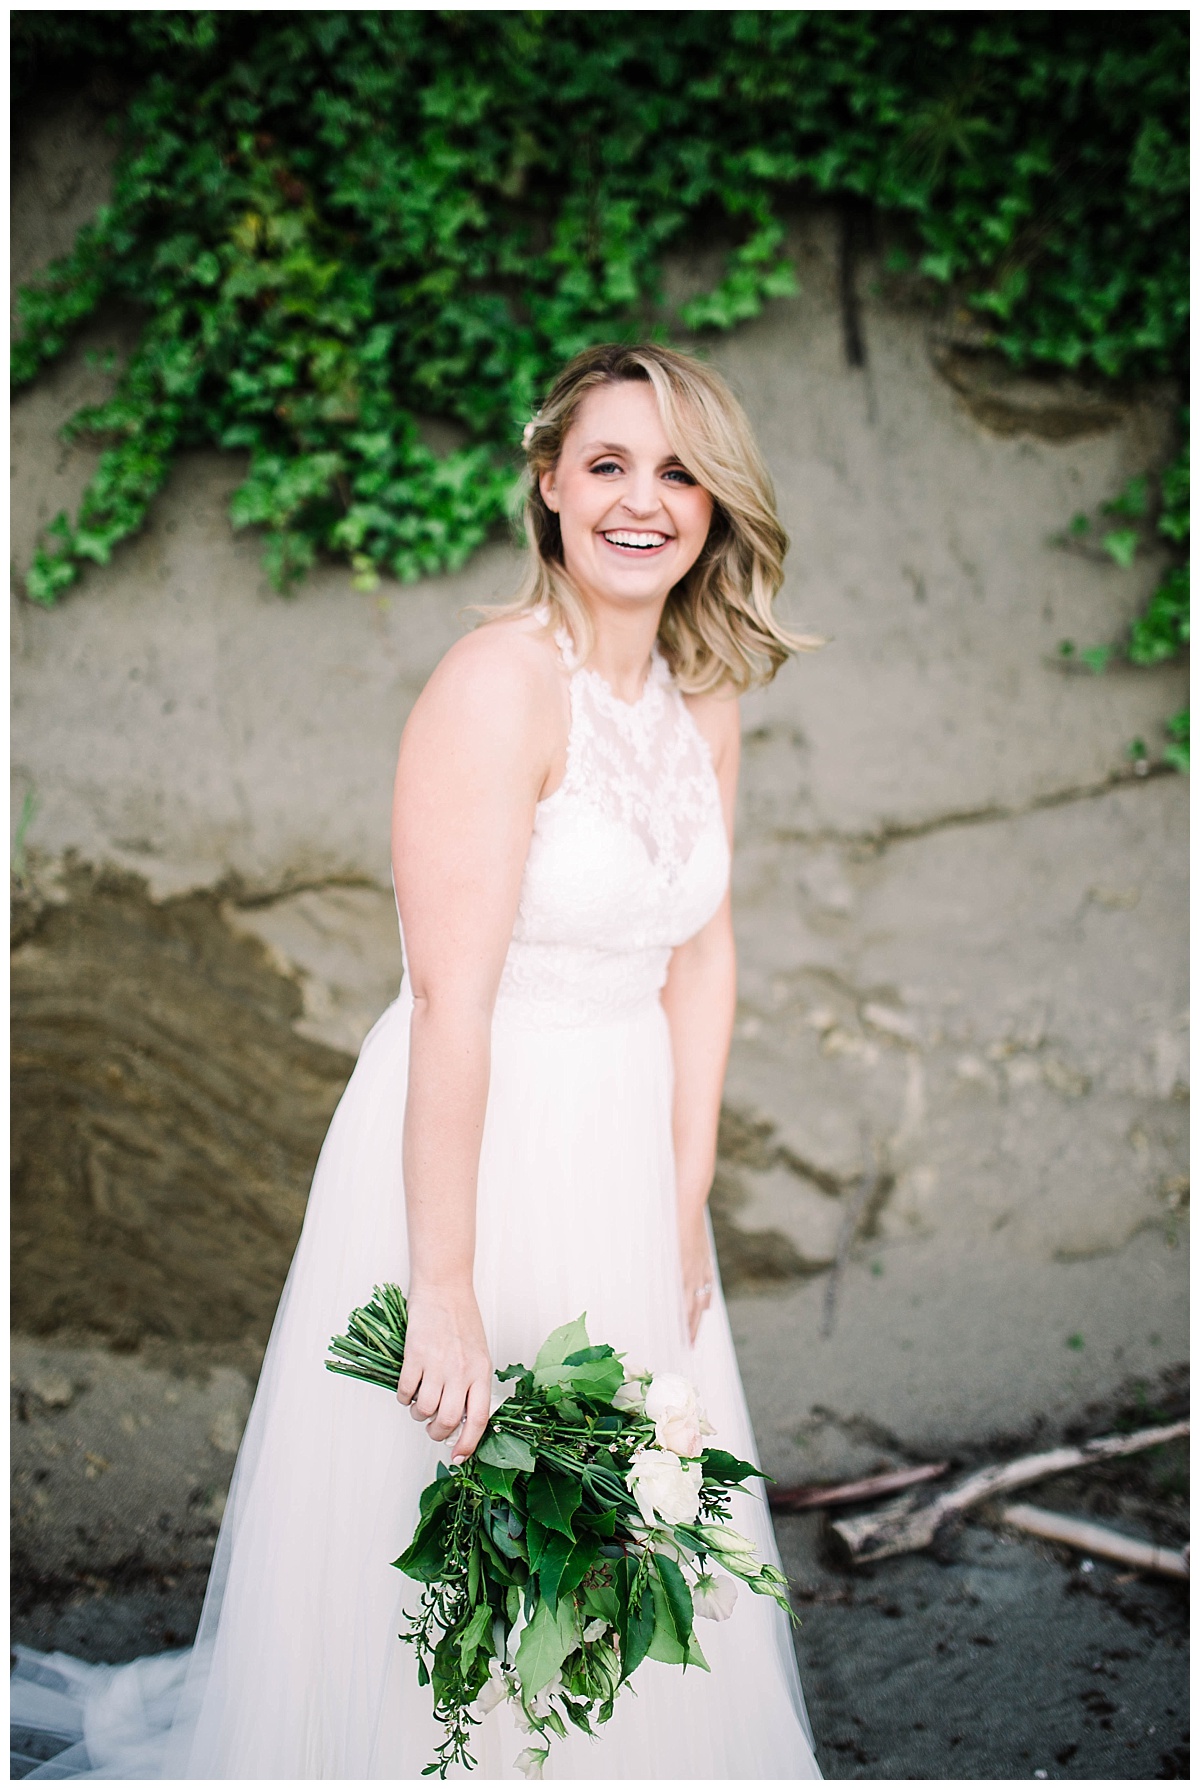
[{"x": 658, "y": 672}]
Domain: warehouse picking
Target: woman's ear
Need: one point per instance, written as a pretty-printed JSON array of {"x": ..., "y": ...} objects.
[{"x": 548, "y": 489}]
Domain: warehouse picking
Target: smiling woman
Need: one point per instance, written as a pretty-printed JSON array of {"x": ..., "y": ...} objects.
[
  {"x": 529, "y": 1133},
  {"x": 694, "y": 471}
]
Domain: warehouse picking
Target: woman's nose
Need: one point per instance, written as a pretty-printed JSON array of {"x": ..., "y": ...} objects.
[{"x": 641, "y": 499}]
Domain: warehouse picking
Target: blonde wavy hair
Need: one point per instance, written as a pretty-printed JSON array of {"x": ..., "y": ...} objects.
[{"x": 717, "y": 628}]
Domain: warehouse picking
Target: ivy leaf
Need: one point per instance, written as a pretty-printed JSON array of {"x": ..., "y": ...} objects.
[{"x": 1121, "y": 545}]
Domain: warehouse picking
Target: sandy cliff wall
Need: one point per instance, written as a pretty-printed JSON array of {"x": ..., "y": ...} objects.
[{"x": 961, "y": 923}]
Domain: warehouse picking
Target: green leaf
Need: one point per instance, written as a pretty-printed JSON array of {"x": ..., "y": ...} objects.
[
  {"x": 596, "y": 1379},
  {"x": 583, "y": 1558},
  {"x": 499, "y": 1448},
  {"x": 568, "y": 1339},
  {"x": 551, "y": 1561},
  {"x": 545, "y": 1642},
  {"x": 636, "y": 1624},
  {"x": 679, "y": 1598},
  {"x": 1132, "y": 500},
  {"x": 507, "y": 1531},
  {"x": 536, "y": 1537},
  {"x": 1122, "y": 545},
  {"x": 665, "y": 1644},
  {"x": 727, "y": 1469},
  {"x": 475, "y": 1636},
  {"x": 564, "y": 1567},
  {"x": 553, "y": 1500},
  {"x": 497, "y": 1480},
  {"x": 424, "y": 1559},
  {"x": 602, "y": 1600}
]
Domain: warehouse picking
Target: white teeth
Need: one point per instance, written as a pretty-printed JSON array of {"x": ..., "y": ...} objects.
[{"x": 625, "y": 538}]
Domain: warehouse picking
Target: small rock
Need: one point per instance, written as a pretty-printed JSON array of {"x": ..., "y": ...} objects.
[
  {"x": 225, "y": 1430},
  {"x": 54, "y": 1389}
]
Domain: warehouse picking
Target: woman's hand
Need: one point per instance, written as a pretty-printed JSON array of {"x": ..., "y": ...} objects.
[
  {"x": 446, "y": 1378},
  {"x": 699, "y": 1275}
]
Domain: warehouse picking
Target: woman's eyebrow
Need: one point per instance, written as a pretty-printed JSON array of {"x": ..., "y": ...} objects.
[{"x": 616, "y": 447}]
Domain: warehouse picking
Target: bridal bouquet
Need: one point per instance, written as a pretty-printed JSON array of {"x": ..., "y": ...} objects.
[{"x": 582, "y": 1537}]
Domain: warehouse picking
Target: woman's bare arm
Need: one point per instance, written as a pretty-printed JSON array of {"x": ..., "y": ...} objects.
[
  {"x": 699, "y": 998},
  {"x": 473, "y": 759}
]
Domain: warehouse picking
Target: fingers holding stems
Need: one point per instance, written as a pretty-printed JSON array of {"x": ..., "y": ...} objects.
[{"x": 446, "y": 1375}]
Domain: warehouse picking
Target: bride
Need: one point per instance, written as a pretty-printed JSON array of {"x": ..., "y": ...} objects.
[{"x": 529, "y": 1133}]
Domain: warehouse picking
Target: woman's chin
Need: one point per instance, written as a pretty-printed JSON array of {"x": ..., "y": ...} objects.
[{"x": 627, "y": 584}]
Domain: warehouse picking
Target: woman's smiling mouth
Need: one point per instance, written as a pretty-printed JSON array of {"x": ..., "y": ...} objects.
[{"x": 635, "y": 540}]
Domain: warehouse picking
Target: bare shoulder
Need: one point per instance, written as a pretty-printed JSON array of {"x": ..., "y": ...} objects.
[
  {"x": 717, "y": 713},
  {"x": 502, "y": 679},
  {"x": 511, "y": 656}
]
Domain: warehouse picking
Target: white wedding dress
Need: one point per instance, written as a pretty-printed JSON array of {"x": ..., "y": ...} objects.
[{"x": 297, "y": 1671}]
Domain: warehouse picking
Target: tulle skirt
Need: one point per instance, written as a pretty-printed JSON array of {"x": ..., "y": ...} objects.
[{"x": 297, "y": 1671}]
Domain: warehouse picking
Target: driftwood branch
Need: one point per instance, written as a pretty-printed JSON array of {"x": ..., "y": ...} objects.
[
  {"x": 785, "y": 1498},
  {"x": 912, "y": 1521},
  {"x": 1092, "y": 1538}
]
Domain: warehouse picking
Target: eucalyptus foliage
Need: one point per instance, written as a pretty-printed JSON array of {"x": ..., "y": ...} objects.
[{"x": 336, "y": 225}]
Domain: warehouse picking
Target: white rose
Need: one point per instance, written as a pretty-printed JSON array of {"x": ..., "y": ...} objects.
[
  {"x": 629, "y": 1397},
  {"x": 713, "y": 1595},
  {"x": 676, "y": 1413},
  {"x": 668, "y": 1394},
  {"x": 660, "y": 1482},
  {"x": 679, "y": 1432}
]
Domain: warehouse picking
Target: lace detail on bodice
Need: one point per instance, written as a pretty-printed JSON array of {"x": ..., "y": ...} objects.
[{"x": 629, "y": 857}]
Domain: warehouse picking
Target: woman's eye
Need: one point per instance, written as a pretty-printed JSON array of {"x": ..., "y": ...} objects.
[
  {"x": 680, "y": 474},
  {"x": 606, "y": 466}
]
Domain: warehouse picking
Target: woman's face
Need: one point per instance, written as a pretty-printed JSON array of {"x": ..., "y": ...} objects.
[{"x": 633, "y": 519}]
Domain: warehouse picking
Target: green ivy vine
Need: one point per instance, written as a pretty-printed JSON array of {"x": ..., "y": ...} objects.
[
  {"x": 1138, "y": 518},
  {"x": 335, "y": 226}
]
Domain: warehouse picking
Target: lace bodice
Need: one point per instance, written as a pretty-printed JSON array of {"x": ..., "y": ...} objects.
[{"x": 629, "y": 857}]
